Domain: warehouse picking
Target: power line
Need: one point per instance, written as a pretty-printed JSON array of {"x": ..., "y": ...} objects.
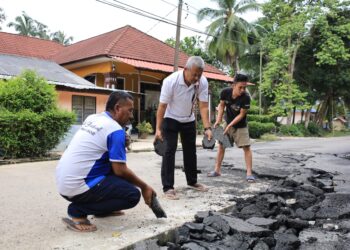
[
  {"x": 160, "y": 21},
  {"x": 159, "y": 18},
  {"x": 150, "y": 15}
]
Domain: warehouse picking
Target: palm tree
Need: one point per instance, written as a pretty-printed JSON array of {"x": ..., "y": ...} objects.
[
  {"x": 61, "y": 37},
  {"x": 24, "y": 25},
  {"x": 41, "y": 30},
  {"x": 228, "y": 32},
  {"x": 2, "y": 16}
]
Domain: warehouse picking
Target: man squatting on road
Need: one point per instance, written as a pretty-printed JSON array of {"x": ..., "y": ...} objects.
[
  {"x": 175, "y": 115},
  {"x": 92, "y": 173}
]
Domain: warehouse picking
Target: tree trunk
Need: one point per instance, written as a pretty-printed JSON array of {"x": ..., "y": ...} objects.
[
  {"x": 307, "y": 117},
  {"x": 323, "y": 108}
]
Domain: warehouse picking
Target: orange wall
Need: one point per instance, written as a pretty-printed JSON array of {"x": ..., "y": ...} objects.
[{"x": 65, "y": 100}]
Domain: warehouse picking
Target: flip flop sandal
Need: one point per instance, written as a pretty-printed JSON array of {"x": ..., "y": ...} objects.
[
  {"x": 72, "y": 225},
  {"x": 199, "y": 187},
  {"x": 213, "y": 174},
  {"x": 159, "y": 147},
  {"x": 156, "y": 207},
  {"x": 114, "y": 213},
  {"x": 208, "y": 144},
  {"x": 250, "y": 178}
]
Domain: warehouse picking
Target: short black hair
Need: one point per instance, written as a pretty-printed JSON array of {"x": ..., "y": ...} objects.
[
  {"x": 240, "y": 78},
  {"x": 117, "y": 97}
]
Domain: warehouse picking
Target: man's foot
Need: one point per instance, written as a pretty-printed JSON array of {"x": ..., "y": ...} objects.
[
  {"x": 213, "y": 174},
  {"x": 250, "y": 178},
  {"x": 171, "y": 195},
  {"x": 79, "y": 225},
  {"x": 114, "y": 213},
  {"x": 199, "y": 187}
]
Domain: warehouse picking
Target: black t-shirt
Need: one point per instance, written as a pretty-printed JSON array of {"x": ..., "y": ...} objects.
[{"x": 233, "y": 106}]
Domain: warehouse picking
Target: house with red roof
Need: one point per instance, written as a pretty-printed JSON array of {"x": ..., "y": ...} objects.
[{"x": 122, "y": 59}]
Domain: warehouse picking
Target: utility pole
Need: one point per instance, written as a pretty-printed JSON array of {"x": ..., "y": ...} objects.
[
  {"x": 177, "y": 43},
  {"x": 261, "y": 54}
]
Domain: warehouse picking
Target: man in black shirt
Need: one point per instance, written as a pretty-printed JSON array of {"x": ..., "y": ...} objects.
[{"x": 237, "y": 102}]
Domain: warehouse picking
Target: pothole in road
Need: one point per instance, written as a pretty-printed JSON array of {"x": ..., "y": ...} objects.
[{"x": 291, "y": 214}]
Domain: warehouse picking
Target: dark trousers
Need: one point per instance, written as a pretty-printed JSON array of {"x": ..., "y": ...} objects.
[
  {"x": 171, "y": 129},
  {"x": 111, "y": 194}
]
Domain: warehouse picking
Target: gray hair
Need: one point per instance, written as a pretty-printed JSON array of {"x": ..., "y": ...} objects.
[{"x": 195, "y": 61}]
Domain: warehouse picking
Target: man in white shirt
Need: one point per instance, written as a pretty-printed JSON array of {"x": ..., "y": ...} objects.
[
  {"x": 92, "y": 173},
  {"x": 175, "y": 115}
]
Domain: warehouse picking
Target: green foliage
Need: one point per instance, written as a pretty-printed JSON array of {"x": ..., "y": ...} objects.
[
  {"x": 194, "y": 46},
  {"x": 256, "y": 129},
  {"x": 2, "y": 16},
  {"x": 261, "y": 118},
  {"x": 314, "y": 129},
  {"x": 199, "y": 127},
  {"x": 299, "y": 130},
  {"x": 290, "y": 130},
  {"x": 288, "y": 96},
  {"x": 28, "y": 91},
  {"x": 30, "y": 122},
  {"x": 27, "y": 26},
  {"x": 254, "y": 110},
  {"x": 228, "y": 31},
  {"x": 145, "y": 127},
  {"x": 29, "y": 134}
]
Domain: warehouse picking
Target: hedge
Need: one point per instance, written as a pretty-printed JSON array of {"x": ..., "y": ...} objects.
[
  {"x": 28, "y": 134},
  {"x": 260, "y": 118},
  {"x": 30, "y": 122},
  {"x": 256, "y": 129}
]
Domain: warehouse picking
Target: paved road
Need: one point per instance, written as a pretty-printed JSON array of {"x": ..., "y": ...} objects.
[{"x": 31, "y": 208}]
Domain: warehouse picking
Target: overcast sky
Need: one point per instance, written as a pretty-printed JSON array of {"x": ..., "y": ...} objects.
[{"x": 83, "y": 19}]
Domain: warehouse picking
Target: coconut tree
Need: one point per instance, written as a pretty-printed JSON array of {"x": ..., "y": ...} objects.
[
  {"x": 2, "y": 16},
  {"x": 228, "y": 33},
  {"x": 24, "y": 25},
  {"x": 61, "y": 37}
]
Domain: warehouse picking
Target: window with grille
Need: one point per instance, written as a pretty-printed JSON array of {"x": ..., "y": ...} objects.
[{"x": 83, "y": 106}]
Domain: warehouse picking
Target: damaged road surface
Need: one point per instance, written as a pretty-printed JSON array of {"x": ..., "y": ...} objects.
[
  {"x": 300, "y": 201},
  {"x": 306, "y": 205}
]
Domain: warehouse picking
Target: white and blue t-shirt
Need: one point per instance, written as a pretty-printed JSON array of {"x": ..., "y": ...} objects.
[{"x": 87, "y": 160}]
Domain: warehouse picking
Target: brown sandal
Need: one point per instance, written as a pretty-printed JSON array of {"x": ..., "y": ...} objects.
[{"x": 74, "y": 225}]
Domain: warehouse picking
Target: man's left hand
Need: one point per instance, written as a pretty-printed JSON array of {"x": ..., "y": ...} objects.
[{"x": 227, "y": 129}]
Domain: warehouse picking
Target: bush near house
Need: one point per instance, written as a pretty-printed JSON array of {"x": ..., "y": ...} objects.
[{"x": 30, "y": 122}]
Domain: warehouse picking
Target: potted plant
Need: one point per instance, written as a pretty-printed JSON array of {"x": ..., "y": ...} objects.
[{"x": 144, "y": 128}]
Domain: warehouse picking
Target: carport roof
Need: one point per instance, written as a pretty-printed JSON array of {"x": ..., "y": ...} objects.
[{"x": 11, "y": 66}]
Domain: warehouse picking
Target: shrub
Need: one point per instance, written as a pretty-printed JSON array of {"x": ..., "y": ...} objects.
[
  {"x": 254, "y": 110},
  {"x": 291, "y": 130},
  {"x": 145, "y": 127},
  {"x": 260, "y": 118},
  {"x": 28, "y": 134},
  {"x": 31, "y": 126},
  {"x": 314, "y": 129},
  {"x": 256, "y": 129},
  {"x": 27, "y": 91}
]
